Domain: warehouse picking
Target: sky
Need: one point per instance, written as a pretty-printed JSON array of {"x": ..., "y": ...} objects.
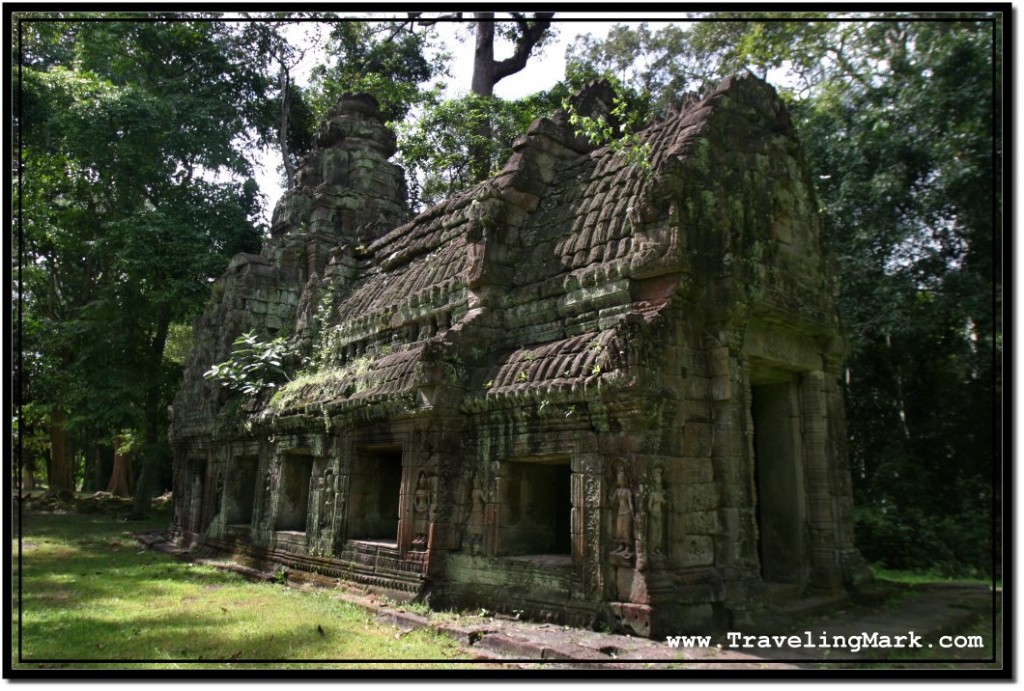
[{"x": 541, "y": 72}]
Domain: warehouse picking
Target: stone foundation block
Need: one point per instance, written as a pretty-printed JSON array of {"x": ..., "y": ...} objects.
[{"x": 634, "y": 619}]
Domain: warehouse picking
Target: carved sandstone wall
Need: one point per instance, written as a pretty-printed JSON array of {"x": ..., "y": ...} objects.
[{"x": 576, "y": 390}]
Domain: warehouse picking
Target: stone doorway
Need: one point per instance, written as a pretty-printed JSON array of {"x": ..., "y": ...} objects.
[
  {"x": 241, "y": 490},
  {"x": 293, "y": 496},
  {"x": 779, "y": 478},
  {"x": 375, "y": 488}
]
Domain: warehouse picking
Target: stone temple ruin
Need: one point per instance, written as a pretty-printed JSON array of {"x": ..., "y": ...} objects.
[{"x": 580, "y": 390}]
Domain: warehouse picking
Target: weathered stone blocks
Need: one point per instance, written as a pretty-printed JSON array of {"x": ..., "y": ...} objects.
[{"x": 540, "y": 394}]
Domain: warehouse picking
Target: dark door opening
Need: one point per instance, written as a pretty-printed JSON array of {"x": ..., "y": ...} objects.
[
  {"x": 241, "y": 490},
  {"x": 375, "y": 488},
  {"x": 778, "y": 474},
  {"x": 293, "y": 496}
]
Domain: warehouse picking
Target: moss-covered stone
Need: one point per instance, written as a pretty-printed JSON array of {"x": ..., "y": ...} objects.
[{"x": 554, "y": 393}]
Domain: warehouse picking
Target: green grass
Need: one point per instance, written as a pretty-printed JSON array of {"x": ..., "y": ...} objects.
[
  {"x": 91, "y": 598},
  {"x": 928, "y": 577}
]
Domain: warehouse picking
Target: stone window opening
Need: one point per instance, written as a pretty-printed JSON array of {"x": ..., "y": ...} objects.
[
  {"x": 535, "y": 510},
  {"x": 375, "y": 487},
  {"x": 241, "y": 490},
  {"x": 293, "y": 493}
]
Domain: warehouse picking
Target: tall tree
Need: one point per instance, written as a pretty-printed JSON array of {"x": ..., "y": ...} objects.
[
  {"x": 135, "y": 189},
  {"x": 271, "y": 47},
  {"x": 454, "y": 142},
  {"x": 436, "y": 146},
  {"x": 385, "y": 59},
  {"x": 525, "y": 35}
]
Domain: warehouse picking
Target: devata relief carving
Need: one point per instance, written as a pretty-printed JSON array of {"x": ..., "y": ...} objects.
[
  {"x": 475, "y": 523},
  {"x": 656, "y": 515},
  {"x": 421, "y": 511},
  {"x": 580, "y": 390},
  {"x": 622, "y": 509}
]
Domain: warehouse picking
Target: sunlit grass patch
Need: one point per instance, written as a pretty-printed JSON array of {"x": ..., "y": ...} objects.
[
  {"x": 909, "y": 577},
  {"x": 91, "y": 595}
]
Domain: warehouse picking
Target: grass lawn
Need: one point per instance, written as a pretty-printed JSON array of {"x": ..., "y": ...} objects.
[
  {"x": 91, "y": 598},
  {"x": 930, "y": 578}
]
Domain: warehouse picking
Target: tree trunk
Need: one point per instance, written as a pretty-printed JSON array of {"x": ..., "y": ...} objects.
[
  {"x": 483, "y": 59},
  {"x": 487, "y": 72},
  {"x": 89, "y": 480},
  {"x": 482, "y": 85},
  {"x": 120, "y": 484},
  {"x": 28, "y": 479},
  {"x": 26, "y": 474},
  {"x": 102, "y": 466},
  {"x": 150, "y": 451},
  {"x": 285, "y": 125},
  {"x": 96, "y": 473},
  {"x": 61, "y": 473}
]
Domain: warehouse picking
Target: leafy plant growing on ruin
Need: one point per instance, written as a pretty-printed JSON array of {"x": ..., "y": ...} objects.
[
  {"x": 254, "y": 365},
  {"x": 619, "y": 130}
]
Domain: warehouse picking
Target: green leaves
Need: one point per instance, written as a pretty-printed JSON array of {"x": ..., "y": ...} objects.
[
  {"x": 662, "y": 65},
  {"x": 905, "y": 129},
  {"x": 618, "y": 130},
  {"x": 254, "y": 365},
  {"x": 378, "y": 58},
  {"x": 134, "y": 196},
  {"x": 437, "y": 146}
]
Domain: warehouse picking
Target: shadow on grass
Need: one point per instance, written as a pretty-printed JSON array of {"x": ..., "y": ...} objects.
[{"x": 89, "y": 592}]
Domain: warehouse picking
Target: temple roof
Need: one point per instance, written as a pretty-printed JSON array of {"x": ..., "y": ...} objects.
[{"x": 521, "y": 284}]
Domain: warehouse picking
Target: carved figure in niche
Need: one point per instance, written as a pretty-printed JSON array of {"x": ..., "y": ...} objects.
[
  {"x": 432, "y": 509},
  {"x": 475, "y": 524},
  {"x": 327, "y": 514},
  {"x": 656, "y": 513},
  {"x": 622, "y": 505},
  {"x": 268, "y": 485},
  {"x": 421, "y": 512}
]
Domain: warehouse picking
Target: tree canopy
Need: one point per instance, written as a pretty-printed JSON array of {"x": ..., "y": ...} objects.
[{"x": 135, "y": 189}]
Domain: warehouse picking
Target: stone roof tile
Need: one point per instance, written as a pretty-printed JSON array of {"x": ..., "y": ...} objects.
[
  {"x": 564, "y": 363},
  {"x": 560, "y": 263}
]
